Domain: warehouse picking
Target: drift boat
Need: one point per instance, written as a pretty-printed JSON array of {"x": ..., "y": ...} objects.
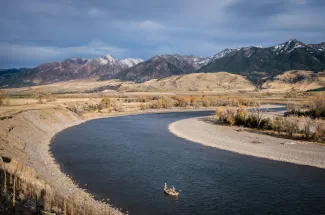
[{"x": 170, "y": 191}]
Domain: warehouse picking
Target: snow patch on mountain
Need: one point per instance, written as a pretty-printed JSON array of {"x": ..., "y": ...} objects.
[
  {"x": 132, "y": 61},
  {"x": 224, "y": 53},
  {"x": 108, "y": 59},
  {"x": 289, "y": 46},
  {"x": 103, "y": 61}
]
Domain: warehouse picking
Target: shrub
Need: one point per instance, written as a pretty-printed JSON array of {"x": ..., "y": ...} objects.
[
  {"x": 290, "y": 95},
  {"x": 106, "y": 102},
  {"x": 318, "y": 106},
  {"x": 219, "y": 112},
  {"x": 307, "y": 123},
  {"x": 291, "y": 125},
  {"x": 241, "y": 115},
  {"x": 194, "y": 101},
  {"x": 206, "y": 102},
  {"x": 143, "y": 106},
  {"x": 50, "y": 97},
  {"x": 39, "y": 96},
  {"x": 256, "y": 116},
  {"x": 2, "y": 98},
  {"x": 159, "y": 103},
  {"x": 278, "y": 124},
  {"x": 252, "y": 121},
  {"x": 294, "y": 108},
  {"x": 229, "y": 116},
  {"x": 230, "y": 119},
  {"x": 320, "y": 130},
  {"x": 117, "y": 106},
  {"x": 267, "y": 124}
]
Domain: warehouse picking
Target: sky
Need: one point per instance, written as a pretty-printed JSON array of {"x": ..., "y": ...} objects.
[{"x": 33, "y": 32}]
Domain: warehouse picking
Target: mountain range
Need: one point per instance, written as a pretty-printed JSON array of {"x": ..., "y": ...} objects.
[
  {"x": 162, "y": 66},
  {"x": 256, "y": 63}
]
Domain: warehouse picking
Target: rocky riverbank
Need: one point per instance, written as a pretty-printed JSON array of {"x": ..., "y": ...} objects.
[{"x": 248, "y": 142}]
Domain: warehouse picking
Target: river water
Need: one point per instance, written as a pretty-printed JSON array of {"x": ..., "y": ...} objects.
[{"x": 128, "y": 159}]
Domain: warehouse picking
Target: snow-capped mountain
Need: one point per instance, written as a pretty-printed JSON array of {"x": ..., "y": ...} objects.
[
  {"x": 197, "y": 61},
  {"x": 109, "y": 59},
  {"x": 319, "y": 47},
  {"x": 254, "y": 60},
  {"x": 163, "y": 66},
  {"x": 70, "y": 69},
  {"x": 289, "y": 46},
  {"x": 224, "y": 53},
  {"x": 132, "y": 61}
]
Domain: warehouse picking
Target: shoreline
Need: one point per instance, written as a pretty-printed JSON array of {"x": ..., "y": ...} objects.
[
  {"x": 44, "y": 162},
  {"x": 247, "y": 143}
]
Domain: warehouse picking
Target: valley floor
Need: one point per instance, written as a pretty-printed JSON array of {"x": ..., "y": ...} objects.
[{"x": 206, "y": 132}]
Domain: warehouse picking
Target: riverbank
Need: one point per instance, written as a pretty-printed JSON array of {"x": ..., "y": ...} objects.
[
  {"x": 248, "y": 142},
  {"x": 27, "y": 136}
]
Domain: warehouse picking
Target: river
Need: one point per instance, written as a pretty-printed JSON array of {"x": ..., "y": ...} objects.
[{"x": 128, "y": 159}]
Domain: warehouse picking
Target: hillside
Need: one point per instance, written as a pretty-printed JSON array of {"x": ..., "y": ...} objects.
[
  {"x": 297, "y": 80},
  {"x": 196, "y": 82}
]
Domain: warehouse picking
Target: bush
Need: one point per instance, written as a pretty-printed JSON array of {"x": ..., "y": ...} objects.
[
  {"x": 143, "y": 106},
  {"x": 39, "y": 96},
  {"x": 106, "y": 102},
  {"x": 50, "y": 97},
  {"x": 206, "y": 102},
  {"x": 291, "y": 125},
  {"x": 117, "y": 106},
  {"x": 320, "y": 130},
  {"x": 2, "y": 98},
  {"x": 267, "y": 124},
  {"x": 307, "y": 123},
  {"x": 252, "y": 121},
  {"x": 241, "y": 116},
  {"x": 318, "y": 107},
  {"x": 290, "y": 95},
  {"x": 294, "y": 108},
  {"x": 278, "y": 124},
  {"x": 227, "y": 116},
  {"x": 255, "y": 117}
]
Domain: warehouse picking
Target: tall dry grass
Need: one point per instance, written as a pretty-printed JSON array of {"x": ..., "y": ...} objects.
[
  {"x": 24, "y": 189},
  {"x": 291, "y": 126}
]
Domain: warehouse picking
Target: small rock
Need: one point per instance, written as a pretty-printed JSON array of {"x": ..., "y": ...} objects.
[
  {"x": 6, "y": 159},
  {"x": 290, "y": 143}
]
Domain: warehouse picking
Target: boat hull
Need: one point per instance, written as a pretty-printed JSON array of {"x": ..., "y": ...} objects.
[{"x": 171, "y": 193}]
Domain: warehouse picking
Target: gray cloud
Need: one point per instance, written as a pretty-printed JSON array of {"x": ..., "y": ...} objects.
[{"x": 38, "y": 31}]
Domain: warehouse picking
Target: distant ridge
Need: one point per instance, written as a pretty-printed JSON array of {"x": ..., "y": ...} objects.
[{"x": 256, "y": 63}]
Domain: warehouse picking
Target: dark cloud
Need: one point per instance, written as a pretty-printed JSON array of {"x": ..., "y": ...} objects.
[{"x": 38, "y": 31}]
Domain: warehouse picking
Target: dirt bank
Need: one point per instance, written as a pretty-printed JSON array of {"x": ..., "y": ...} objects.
[
  {"x": 26, "y": 136},
  {"x": 202, "y": 131}
]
